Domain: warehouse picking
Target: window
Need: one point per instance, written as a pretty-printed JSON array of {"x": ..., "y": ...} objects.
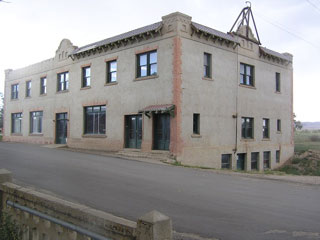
[
  {"x": 112, "y": 71},
  {"x": 278, "y": 82},
  {"x": 86, "y": 76},
  {"x": 63, "y": 81},
  {"x": 16, "y": 122},
  {"x": 43, "y": 85},
  {"x": 278, "y": 156},
  {"x": 278, "y": 125},
  {"x": 147, "y": 64},
  {"x": 196, "y": 123},
  {"x": 265, "y": 128},
  {"x": 28, "y": 89},
  {"x": 254, "y": 160},
  {"x": 246, "y": 74},
  {"x": 226, "y": 161},
  {"x": 266, "y": 160},
  {"x": 14, "y": 91},
  {"x": 247, "y": 127},
  {"x": 95, "y": 120},
  {"x": 36, "y": 122},
  {"x": 207, "y": 65}
]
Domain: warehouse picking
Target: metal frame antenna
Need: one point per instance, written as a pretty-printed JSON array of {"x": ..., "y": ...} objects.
[{"x": 244, "y": 20}]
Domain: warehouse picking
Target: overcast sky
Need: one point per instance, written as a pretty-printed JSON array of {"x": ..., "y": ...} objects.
[{"x": 31, "y": 31}]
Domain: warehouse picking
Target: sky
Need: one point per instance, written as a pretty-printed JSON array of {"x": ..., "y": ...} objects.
[{"x": 31, "y": 31}]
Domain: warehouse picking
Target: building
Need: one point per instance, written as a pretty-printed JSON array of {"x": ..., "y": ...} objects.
[{"x": 209, "y": 98}]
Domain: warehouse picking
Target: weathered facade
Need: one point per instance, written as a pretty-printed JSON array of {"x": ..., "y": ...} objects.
[{"x": 209, "y": 98}]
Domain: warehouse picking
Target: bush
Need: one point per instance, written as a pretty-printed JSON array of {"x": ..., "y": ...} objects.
[
  {"x": 8, "y": 229},
  {"x": 289, "y": 169},
  {"x": 315, "y": 138}
]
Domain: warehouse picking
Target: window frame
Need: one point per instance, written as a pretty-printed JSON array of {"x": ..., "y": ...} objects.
[
  {"x": 207, "y": 58},
  {"x": 28, "y": 88},
  {"x": 278, "y": 125},
  {"x": 278, "y": 82},
  {"x": 266, "y": 161},
  {"x": 84, "y": 77},
  {"x": 225, "y": 165},
  {"x": 15, "y": 116},
  {"x": 196, "y": 123},
  {"x": 244, "y": 75},
  {"x": 15, "y": 91},
  {"x": 255, "y": 162},
  {"x": 266, "y": 128},
  {"x": 278, "y": 154},
  {"x": 43, "y": 85},
  {"x": 148, "y": 64},
  {"x": 64, "y": 83},
  {"x": 96, "y": 116},
  {"x": 109, "y": 72},
  {"x": 38, "y": 129},
  {"x": 245, "y": 129}
]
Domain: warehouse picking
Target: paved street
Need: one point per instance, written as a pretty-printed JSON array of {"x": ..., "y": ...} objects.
[{"x": 200, "y": 202}]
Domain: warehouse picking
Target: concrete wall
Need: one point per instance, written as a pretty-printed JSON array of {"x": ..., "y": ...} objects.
[
  {"x": 151, "y": 226},
  {"x": 221, "y": 101}
]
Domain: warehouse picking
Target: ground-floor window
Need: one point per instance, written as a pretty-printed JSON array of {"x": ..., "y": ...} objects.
[
  {"x": 226, "y": 161},
  {"x": 16, "y": 122},
  {"x": 254, "y": 160},
  {"x": 266, "y": 160},
  {"x": 36, "y": 122},
  {"x": 95, "y": 120},
  {"x": 277, "y": 156}
]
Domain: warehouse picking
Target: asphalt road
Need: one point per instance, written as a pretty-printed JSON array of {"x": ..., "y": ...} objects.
[{"x": 200, "y": 202}]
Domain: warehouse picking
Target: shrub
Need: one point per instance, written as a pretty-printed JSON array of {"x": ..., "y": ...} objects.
[
  {"x": 289, "y": 169},
  {"x": 315, "y": 138},
  {"x": 8, "y": 229}
]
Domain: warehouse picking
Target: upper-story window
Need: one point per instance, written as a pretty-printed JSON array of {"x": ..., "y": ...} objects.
[
  {"x": 147, "y": 64},
  {"x": 112, "y": 71},
  {"x": 28, "y": 89},
  {"x": 265, "y": 128},
  {"x": 278, "y": 125},
  {"x": 278, "y": 85},
  {"x": 63, "y": 81},
  {"x": 207, "y": 65},
  {"x": 86, "y": 76},
  {"x": 246, "y": 74},
  {"x": 14, "y": 91},
  {"x": 16, "y": 122},
  {"x": 247, "y": 127},
  {"x": 43, "y": 85}
]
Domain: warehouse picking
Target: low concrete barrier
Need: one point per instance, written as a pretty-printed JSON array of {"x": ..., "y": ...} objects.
[{"x": 42, "y": 216}]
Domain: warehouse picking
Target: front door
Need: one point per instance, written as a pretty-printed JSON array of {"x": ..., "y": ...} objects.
[
  {"x": 161, "y": 131},
  {"x": 240, "y": 161},
  {"x": 133, "y": 125},
  {"x": 61, "y": 128}
]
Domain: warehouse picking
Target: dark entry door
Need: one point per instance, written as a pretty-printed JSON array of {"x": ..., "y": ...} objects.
[
  {"x": 61, "y": 128},
  {"x": 133, "y": 124},
  {"x": 161, "y": 131},
  {"x": 240, "y": 161}
]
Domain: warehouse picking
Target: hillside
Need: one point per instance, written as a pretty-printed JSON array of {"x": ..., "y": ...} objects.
[{"x": 310, "y": 125}]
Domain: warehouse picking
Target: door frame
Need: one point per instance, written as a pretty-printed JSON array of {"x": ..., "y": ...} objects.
[
  {"x": 124, "y": 129},
  {"x": 55, "y": 125}
]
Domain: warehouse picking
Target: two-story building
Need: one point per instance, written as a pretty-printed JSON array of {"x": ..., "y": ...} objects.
[{"x": 208, "y": 98}]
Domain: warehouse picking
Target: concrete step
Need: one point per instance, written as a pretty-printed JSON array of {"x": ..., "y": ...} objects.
[{"x": 163, "y": 156}]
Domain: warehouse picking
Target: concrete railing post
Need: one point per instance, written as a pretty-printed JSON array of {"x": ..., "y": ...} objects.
[
  {"x": 5, "y": 176},
  {"x": 154, "y": 226}
]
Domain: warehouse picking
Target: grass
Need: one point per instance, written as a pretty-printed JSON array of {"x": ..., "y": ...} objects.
[
  {"x": 306, "y": 140},
  {"x": 179, "y": 164}
]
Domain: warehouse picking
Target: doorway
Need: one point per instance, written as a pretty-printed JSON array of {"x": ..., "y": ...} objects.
[
  {"x": 61, "y": 128},
  {"x": 133, "y": 131},
  {"x": 161, "y": 131},
  {"x": 240, "y": 161}
]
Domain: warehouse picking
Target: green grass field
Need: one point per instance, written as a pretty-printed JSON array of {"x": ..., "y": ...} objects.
[{"x": 306, "y": 140}]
